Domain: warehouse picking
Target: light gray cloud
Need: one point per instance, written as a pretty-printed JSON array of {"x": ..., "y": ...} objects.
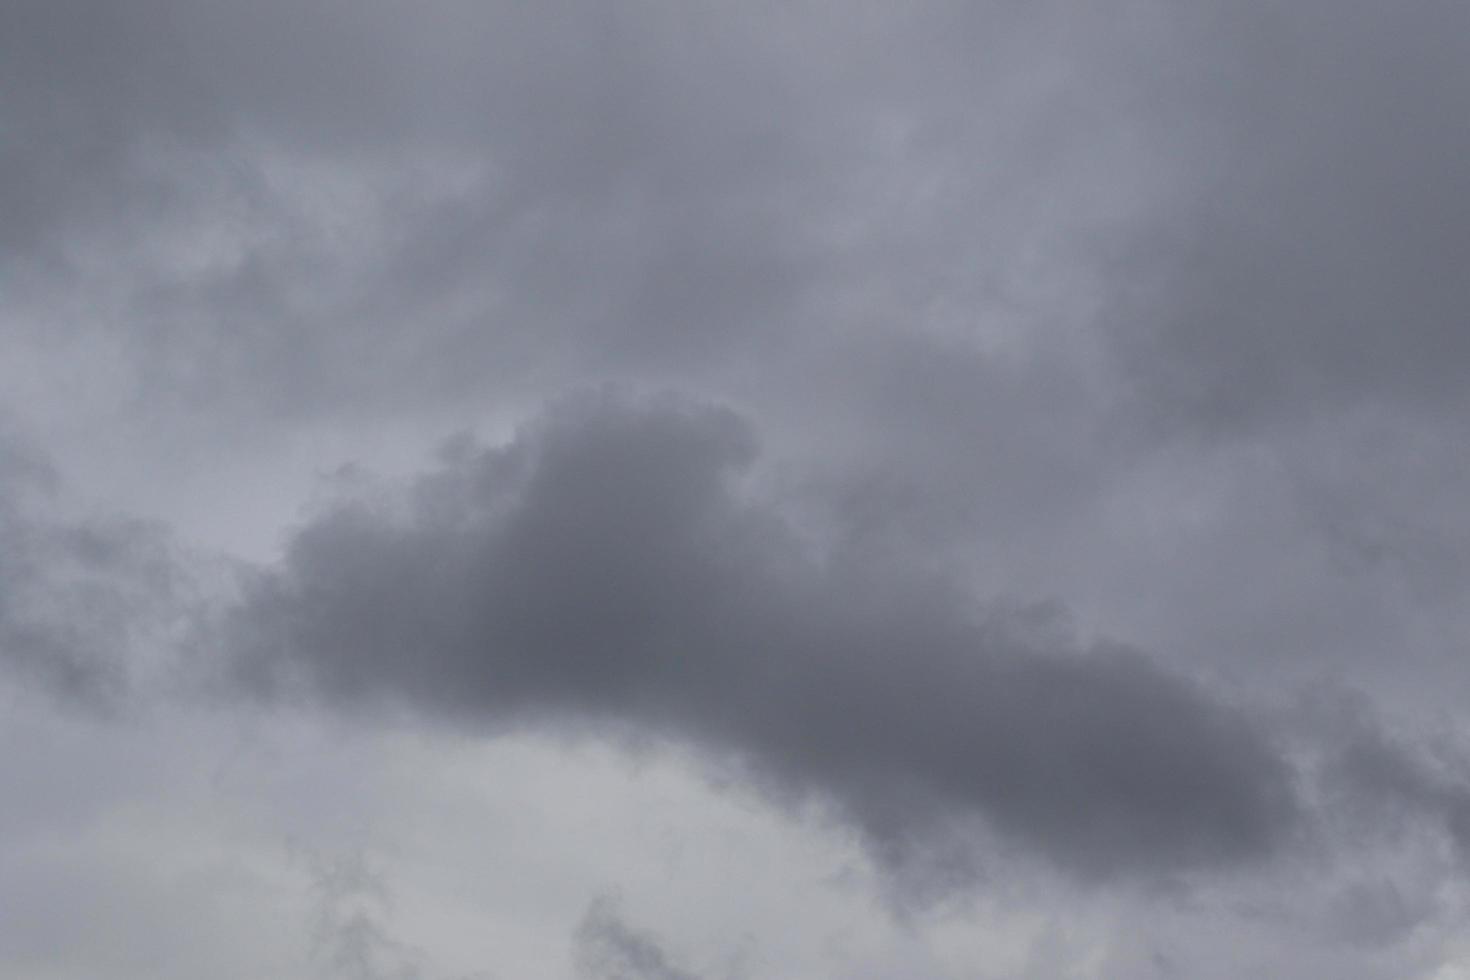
[
  {"x": 349, "y": 938},
  {"x": 608, "y": 948},
  {"x": 84, "y": 603}
]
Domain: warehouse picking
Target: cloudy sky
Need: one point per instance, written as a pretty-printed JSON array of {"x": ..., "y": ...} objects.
[{"x": 721, "y": 491}]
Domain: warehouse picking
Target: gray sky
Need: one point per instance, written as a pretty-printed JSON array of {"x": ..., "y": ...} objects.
[{"x": 654, "y": 491}]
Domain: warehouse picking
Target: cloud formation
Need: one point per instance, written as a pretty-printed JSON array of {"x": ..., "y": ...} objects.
[
  {"x": 1314, "y": 261},
  {"x": 1153, "y": 314},
  {"x": 84, "y": 603},
  {"x": 608, "y": 948},
  {"x": 606, "y": 568}
]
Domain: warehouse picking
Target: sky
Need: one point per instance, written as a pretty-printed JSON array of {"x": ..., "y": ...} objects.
[{"x": 719, "y": 491}]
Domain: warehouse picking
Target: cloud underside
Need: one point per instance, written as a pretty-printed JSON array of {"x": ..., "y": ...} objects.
[
  {"x": 1065, "y": 455},
  {"x": 606, "y": 569}
]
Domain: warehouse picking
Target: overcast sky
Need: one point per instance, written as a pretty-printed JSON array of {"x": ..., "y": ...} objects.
[{"x": 720, "y": 491}]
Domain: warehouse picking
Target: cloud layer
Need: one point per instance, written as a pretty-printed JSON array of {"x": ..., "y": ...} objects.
[
  {"x": 605, "y": 568},
  {"x": 1065, "y": 473}
]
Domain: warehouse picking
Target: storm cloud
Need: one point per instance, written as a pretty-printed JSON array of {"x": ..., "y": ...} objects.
[
  {"x": 1059, "y": 509},
  {"x": 1316, "y": 261},
  {"x": 606, "y": 567}
]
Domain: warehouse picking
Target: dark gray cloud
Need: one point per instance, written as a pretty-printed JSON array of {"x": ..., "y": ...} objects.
[
  {"x": 622, "y": 176},
  {"x": 1262, "y": 199},
  {"x": 1315, "y": 259},
  {"x": 1400, "y": 783},
  {"x": 1157, "y": 310},
  {"x": 607, "y": 568},
  {"x": 253, "y": 195}
]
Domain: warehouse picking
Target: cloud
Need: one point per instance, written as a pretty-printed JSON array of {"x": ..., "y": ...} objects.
[
  {"x": 1157, "y": 310},
  {"x": 84, "y": 602},
  {"x": 607, "y": 948},
  {"x": 607, "y": 569},
  {"x": 237, "y": 200},
  {"x": 1396, "y": 783},
  {"x": 1308, "y": 260},
  {"x": 349, "y": 935}
]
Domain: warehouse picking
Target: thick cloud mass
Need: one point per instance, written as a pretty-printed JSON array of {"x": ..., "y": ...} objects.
[
  {"x": 1150, "y": 312},
  {"x": 604, "y": 566},
  {"x": 1317, "y": 260}
]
